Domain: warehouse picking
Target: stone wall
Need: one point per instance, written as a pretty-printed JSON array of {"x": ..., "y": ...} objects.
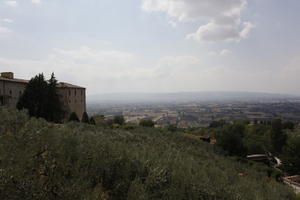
[
  {"x": 74, "y": 100},
  {"x": 11, "y": 92}
]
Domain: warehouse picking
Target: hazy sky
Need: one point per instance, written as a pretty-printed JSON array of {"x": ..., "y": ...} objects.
[{"x": 155, "y": 45}]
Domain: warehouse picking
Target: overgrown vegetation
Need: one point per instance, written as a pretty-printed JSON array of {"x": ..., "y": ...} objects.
[
  {"x": 147, "y": 123},
  {"x": 41, "y": 160},
  {"x": 241, "y": 138}
]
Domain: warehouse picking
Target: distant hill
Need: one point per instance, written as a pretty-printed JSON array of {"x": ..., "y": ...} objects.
[{"x": 180, "y": 97}]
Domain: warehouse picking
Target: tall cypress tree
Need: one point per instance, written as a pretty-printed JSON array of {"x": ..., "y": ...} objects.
[
  {"x": 55, "y": 108},
  {"x": 34, "y": 97},
  {"x": 85, "y": 118},
  {"x": 41, "y": 99},
  {"x": 278, "y": 137}
]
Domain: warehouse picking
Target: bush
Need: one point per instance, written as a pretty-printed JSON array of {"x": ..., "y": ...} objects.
[
  {"x": 291, "y": 155},
  {"x": 41, "y": 99},
  {"x": 230, "y": 138},
  {"x": 147, "y": 123},
  {"x": 74, "y": 117},
  {"x": 92, "y": 121},
  {"x": 119, "y": 120},
  {"x": 85, "y": 118}
]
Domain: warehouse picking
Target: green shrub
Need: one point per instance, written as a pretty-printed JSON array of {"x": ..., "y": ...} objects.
[
  {"x": 119, "y": 120},
  {"x": 74, "y": 117},
  {"x": 147, "y": 123},
  {"x": 85, "y": 118},
  {"x": 92, "y": 121}
]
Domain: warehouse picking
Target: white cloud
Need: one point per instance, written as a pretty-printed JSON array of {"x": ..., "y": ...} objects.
[
  {"x": 103, "y": 70},
  {"x": 83, "y": 66},
  {"x": 118, "y": 71},
  {"x": 223, "y": 16},
  {"x": 4, "y": 30},
  {"x": 225, "y": 52},
  {"x": 213, "y": 32},
  {"x": 169, "y": 65},
  {"x": 172, "y": 23},
  {"x": 7, "y": 20},
  {"x": 36, "y": 1},
  {"x": 11, "y": 3}
]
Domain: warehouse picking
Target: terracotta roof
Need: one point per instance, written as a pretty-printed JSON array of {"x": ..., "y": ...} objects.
[
  {"x": 67, "y": 85},
  {"x": 14, "y": 80}
]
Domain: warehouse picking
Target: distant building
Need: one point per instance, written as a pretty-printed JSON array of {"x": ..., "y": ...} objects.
[{"x": 73, "y": 97}]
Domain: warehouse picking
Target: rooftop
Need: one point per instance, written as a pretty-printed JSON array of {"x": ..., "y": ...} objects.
[
  {"x": 13, "y": 80},
  {"x": 67, "y": 85},
  {"x": 59, "y": 85}
]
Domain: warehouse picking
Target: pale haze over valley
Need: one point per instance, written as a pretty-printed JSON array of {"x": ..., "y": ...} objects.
[{"x": 155, "y": 46}]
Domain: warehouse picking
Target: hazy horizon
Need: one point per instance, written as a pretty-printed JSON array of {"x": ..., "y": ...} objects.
[
  {"x": 155, "y": 46},
  {"x": 187, "y": 97}
]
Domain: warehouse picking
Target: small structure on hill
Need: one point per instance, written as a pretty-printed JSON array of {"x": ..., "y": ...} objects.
[
  {"x": 73, "y": 97},
  {"x": 267, "y": 159}
]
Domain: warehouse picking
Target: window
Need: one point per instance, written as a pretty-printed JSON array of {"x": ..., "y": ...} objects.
[
  {"x": 20, "y": 93},
  {"x": 69, "y": 92},
  {"x": 75, "y": 92},
  {"x": 10, "y": 92},
  {"x": 81, "y": 92}
]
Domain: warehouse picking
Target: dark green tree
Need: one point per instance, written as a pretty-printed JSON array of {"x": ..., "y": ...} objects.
[
  {"x": 92, "y": 121},
  {"x": 147, "y": 123},
  {"x": 55, "y": 111},
  {"x": 34, "y": 97},
  {"x": 85, "y": 118},
  {"x": 230, "y": 138},
  {"x": 216, "y": 124},
  {"x": 288, "y": 125},
  {"x": 41, "y": 99},
  {"x": 74, "y": 117},
  {"x": 291, "y": 156},
  {"x": 119, "y": 119},
  {"x": 278, "y": 137}
]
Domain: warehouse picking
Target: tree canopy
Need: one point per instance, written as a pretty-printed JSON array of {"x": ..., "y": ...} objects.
[
  {"x": 41, "y": 99},
  {"x": 85, "y": 118},
  {"x": 147, "y": 123}
]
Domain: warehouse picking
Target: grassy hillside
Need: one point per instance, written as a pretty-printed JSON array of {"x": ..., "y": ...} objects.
[{"x": 40, "y": 160}]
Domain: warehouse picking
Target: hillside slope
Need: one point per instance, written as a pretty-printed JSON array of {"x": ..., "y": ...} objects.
[{"x": 39, "y": 160}]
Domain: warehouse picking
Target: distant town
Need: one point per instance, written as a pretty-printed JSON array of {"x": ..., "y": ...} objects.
[{"x": 188, "y": 115}]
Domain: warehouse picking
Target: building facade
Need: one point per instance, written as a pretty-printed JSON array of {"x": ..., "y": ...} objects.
[{"x": 73, "y": 97}]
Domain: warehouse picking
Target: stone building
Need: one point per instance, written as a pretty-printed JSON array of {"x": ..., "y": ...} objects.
[{"x": 73, "y": 97}]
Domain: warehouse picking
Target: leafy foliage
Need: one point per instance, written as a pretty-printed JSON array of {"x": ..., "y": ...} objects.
[
  {"x": 74, "y": 117},
  {"x": 85, "y": 118},
  {"x": 292, "y": 156},
  {"x": 278, "y": 137},
  {"x": 40, "y": 160},
  {"x": 92, "y": 121},
  {"x": 119, "y": 120},
  {"x": 231, "y": 138},
  {"x": 147, "y": 123},
  {"x": 41, "y": 99}
]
